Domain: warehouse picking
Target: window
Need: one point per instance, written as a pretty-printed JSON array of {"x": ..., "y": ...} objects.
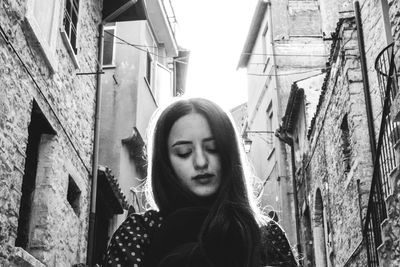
[
  {"x": 270, "y": 127},
  {"x": 265, "y": 47},
  {"x": 37, "y": 128},
  {"x": 109, "y": 45},
  {"x": 346, "y": 147},
  {"x": 42, "y": 17},
  {"x": 270, "y": 115},
  {"x": 73, "y": 195},
  {"x": 149, "y": 63},
  {"x": 70, "y": 22},
  {"x": 163, "y": 84}
]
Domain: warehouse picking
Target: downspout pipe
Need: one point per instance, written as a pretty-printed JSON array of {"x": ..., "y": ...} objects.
[
  {"x": 96, "y": 137},
  {"x": 282, "y": 135},
  {"x": 364, "y": 72},
  {"x": 95, "y": 163}
]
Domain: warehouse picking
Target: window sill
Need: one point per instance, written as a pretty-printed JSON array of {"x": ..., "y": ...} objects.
[
  {"x": 112, "y": 66},
  {"x": 48, "y": 52},
  {"x": 69, "y": 48},
  {"x": 23, "y": 258}
]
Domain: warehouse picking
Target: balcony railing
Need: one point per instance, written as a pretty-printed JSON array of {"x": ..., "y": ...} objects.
[{"x": 385, "y": 159}]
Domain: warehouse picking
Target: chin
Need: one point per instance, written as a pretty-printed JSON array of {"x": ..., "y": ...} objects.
[{"x": 205, "y": 193}]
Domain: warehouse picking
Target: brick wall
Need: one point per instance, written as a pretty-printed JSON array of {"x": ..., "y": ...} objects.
[{"x": 59, "y": 235}]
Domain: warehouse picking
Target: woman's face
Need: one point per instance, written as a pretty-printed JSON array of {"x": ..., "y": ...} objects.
[{"x": 193, "y": 155}]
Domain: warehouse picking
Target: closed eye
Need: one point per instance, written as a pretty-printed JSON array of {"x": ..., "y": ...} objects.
[
  {"x": 183, "y": 151},
  {"x": 210, "y": 146},
  {"x": 184, "y": 155},
  {"x": 212, "y": 150}
]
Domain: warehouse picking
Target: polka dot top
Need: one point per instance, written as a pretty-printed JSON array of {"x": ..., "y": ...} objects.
[{"x": 131, "y": 240}]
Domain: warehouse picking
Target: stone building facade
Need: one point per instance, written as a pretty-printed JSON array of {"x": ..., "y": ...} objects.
[
  {"x": 338, "y": 166},
  {"x": 46, "y": 129},
  {"x": 335, "y": 172},
  {"x": 284, "y": 44}
]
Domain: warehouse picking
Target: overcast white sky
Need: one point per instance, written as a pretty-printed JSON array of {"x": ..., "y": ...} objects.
[{"x": 214, "y": 31}]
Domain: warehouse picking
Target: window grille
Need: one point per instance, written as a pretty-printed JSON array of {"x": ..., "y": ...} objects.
[{"x": 70, "y": 22}]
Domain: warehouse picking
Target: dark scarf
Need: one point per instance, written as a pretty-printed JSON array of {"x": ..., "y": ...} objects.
[{"x": 176, "y": 242}]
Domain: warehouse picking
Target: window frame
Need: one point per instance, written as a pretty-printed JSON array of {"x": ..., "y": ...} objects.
[
  {"x": 269, "y": 127},
  {"x": 110, "y": 27},
  {"x": 149, "y": 69},
  {"x": 72, "y": 51},
  {"x": 48, "y": 48}
]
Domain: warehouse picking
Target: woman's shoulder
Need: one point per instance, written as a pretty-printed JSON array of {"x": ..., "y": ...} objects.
[
  {"x": 130, "y": 241},
  {"x": 149, "y": 218},
  {"x": 276, "y": 249}
]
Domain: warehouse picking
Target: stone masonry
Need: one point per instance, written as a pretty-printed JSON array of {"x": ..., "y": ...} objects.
[
  {"x": 339, "y": 156},
  {"x": 58, "y": 229}
]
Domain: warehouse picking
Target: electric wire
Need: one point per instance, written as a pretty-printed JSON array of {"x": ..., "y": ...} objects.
[
  {"x": 135, "y": 46},
  {"x": 308, "y": 77},
  {"x": 130, "y": 44},
  {"x": 139, "y": 47},
  {"x": 284, "y": 55},
  {"x": 286, "y": 74}
]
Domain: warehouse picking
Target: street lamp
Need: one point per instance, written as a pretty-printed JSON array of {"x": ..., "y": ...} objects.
[{"x": 247, "y": 141}]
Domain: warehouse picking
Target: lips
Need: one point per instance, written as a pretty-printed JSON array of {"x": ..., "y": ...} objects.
[{"x": 203, "y": 178}]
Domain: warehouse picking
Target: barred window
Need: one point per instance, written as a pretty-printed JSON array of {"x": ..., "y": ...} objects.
[{"x": 70, "y": 22}]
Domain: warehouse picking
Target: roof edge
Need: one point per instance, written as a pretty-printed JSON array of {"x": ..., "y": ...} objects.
[
  {"x": 291, "y": 113},
  {"x": 253, "y": 32}
]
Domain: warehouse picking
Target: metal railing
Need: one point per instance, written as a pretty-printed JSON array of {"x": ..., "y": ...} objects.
[
  {"x": 385, "y": 160},
  {"x": 387, "y": 79}
]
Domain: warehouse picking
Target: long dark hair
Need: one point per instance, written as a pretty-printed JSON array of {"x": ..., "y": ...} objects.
[{"x": 230, "y": 233}]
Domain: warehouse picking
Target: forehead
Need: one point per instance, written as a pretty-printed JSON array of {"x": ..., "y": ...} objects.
[{"x": 188, "y": 127}]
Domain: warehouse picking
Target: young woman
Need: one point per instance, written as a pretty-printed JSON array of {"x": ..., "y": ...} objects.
[{"x": 203, "y": 209}]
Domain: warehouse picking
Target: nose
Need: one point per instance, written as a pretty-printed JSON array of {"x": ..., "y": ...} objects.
[{"x": 200, "y": 160}]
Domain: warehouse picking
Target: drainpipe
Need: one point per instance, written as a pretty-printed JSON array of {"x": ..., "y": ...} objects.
[
  {"x": 364, "y": 72},
  {"x": 289, "y": 141},
  {"x": 95, "y": 163}
]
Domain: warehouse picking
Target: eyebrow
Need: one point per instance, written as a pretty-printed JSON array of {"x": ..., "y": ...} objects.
[{"x": 183, "y": 142}]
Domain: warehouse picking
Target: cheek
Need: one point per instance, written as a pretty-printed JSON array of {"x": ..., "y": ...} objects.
[
  {"x": 180, "y": 168},
  {"x": 215, "y": 161}
]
